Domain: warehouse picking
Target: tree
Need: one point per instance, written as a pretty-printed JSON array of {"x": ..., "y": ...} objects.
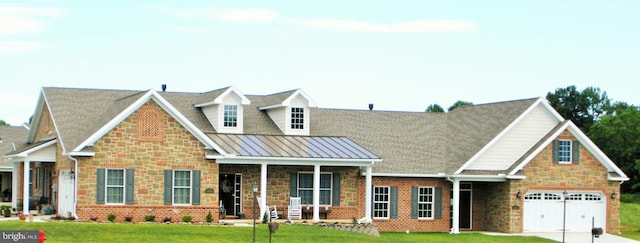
[
  {"x": 459, "y": 103},
  {"x": 3, "y": 123},
  {"x": 583, "y": 108},
  {"x": 435, "y": 108},
  {"x": 617, "y": 135}
]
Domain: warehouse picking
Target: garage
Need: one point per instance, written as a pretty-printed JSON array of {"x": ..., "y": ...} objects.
[{"x": 544, "y": 211}]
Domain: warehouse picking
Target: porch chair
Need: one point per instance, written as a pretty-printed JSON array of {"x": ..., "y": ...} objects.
[
  {"x": 295, "y": 208},
  {"x": 274, "y": 213}
]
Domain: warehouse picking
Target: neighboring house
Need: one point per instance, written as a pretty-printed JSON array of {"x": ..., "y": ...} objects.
[
  {"x": 494, "y": 167},
  {"x": 11, "y": 139}
]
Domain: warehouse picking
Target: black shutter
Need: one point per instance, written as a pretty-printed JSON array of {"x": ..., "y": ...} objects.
[
  {"x": 168, "y": 184},
  {"x": 336, "y": 189},
  {"x": 100, "y": 186},
  {"x": 293, "y": 184},
  {"x": 576, "y": 152},
  {"x": 129, "y": 187},
  {"x": 438, "y": 203},
  {"x": 394, "y": 202},
  {"x": 556, "y": 151},
  {"x": 195, "y": 190},
  {"x": 414, "y": 202}
]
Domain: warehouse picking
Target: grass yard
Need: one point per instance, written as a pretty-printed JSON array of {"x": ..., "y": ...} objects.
[
  {"x": 630, "y": 220},
  {"x": 108, "y": 232}
]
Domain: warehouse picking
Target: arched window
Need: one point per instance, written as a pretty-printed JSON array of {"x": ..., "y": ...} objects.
[{"x": 150, "y": 124}]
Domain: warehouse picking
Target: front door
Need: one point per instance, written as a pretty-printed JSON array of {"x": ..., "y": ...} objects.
[
  {"x": 465, "y": 209},
  {"x": 230, "y": 193},
  {"x": 65, "y": 192}
]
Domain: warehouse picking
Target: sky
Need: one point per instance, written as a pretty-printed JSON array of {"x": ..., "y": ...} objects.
[{"x": 398, "y": 55}]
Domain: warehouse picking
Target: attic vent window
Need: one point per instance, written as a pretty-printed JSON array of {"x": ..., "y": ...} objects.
[
  {"x": 230, "y": 115},
  {"x": 150, "y": 124},
  {"x": 297, "y": 118}
]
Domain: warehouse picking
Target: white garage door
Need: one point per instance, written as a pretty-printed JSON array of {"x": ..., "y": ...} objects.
[{"x": 544, "y": 211}]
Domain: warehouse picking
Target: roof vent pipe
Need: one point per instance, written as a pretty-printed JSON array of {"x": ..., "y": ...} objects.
[
  {"x": 164, "y": 87},
  {"x": 370, "y": 106}
]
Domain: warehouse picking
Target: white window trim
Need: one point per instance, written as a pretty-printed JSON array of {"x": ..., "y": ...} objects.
[
  {"x": 388, "y": 202},
  {"x": 570, "y": 161},
  {"x": 174, "y": 187},
  {"x": 433, "y": 198},
  {"x": 107, "y": 186},
  {"x": 330, "y": 189},
  {"x": 224, "y": 115},
  {"x": 301, "y": 123}
]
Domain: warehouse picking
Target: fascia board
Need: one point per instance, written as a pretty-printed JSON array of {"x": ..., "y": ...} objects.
[
  {"x": 295, "y": 161},
  {"x": 499, "y": 136}
]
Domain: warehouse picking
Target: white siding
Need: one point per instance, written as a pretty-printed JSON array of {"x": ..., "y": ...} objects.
[
  {"x": 282, "y": 117},
  {"x": 279, "y": 116},
  {"x": 516, "y": 142},
  {"x": 215, "y": 115}
]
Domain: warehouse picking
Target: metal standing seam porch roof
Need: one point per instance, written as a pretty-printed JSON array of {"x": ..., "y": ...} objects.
[{"x": 315, "y": 147}]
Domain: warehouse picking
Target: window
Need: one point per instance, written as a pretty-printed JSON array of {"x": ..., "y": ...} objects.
[
  {"x": 230, "y": 116},
  {"x": 564, "y": 151},
  {"x": 182, "y": 187},
  {"x": 114, "y": 186},
  {"x": 305, "y": 188},
  {"x": 381, "y": 202},
  {"x": 425, "y": 202},
  {"x": 297, "y": 118}
]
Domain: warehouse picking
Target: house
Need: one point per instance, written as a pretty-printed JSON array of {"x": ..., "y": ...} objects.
[
  {"x": 11, "y": 137},
  {"x": 506, "y": 167}
]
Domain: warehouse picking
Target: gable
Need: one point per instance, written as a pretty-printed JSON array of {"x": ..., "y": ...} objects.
[
  {"x": 516, "y": 141},
  {"x": 569, "y": 131}
]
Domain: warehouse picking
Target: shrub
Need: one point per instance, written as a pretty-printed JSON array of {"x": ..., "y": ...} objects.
[
  {"x": 209, "y": 217},
  {"x": 265, "y": 218},
  {"x": 111, "y": 217},
  {"x": 149, "y": 218},
  {"x": 630, "y": 198},
  {"x": 187, "y": 218}
]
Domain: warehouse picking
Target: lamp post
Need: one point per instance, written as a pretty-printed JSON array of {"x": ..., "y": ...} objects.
[
  {"x": 255, "y": 190},
  {"x": 564, "y": 214}
]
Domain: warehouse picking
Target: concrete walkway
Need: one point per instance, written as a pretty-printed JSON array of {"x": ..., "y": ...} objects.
[{"x": 581, "y": 237}]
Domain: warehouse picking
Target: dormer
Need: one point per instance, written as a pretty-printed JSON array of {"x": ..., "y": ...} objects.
[
  {"x": 290, "y": 112},
  {"x": 225, "y": 110}
]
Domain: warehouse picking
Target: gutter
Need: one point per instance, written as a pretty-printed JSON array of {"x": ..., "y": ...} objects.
[{"x": 75, "y": 187}]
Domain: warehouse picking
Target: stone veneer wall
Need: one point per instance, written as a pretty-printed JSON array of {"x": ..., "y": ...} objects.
[
  {"x": 278, "y": 191},
  {"x": 404, "y": 221},
  {"x": 120, "y": 148},
  {"x": 542, "y": 174}
]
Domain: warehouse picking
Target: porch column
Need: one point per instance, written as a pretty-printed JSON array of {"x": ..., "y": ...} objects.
[
  {"x": 367, "y": 195},
  {"x": 26, "y": 188},
  {"x": 455, "y": 227},
  {"x": 263, "y": 190},
  {"x": 14, "y": 186},
  {"x": 316, "y": 193}
]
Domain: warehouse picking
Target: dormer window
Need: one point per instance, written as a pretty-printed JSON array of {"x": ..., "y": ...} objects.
[
  {"x": 230, "y": 116},
  {"x": 297, "y": 118}
]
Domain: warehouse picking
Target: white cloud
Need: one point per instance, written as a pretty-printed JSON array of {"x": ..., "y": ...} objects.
[
  {"x": 404, "y": 27},
  {"x": 17, "y": 20},
  {"x": 7, "y": 47},
  {"x": 240, "y": 15},
  {"x": 46, "y": 12}
]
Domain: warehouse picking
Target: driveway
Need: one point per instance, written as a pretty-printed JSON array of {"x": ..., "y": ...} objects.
[{"x": 581, "y": 237}]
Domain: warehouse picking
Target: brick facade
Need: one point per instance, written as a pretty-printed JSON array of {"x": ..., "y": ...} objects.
[{"x": 404, "y": 221}]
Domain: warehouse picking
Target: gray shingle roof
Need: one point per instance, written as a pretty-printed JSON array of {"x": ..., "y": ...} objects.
[
  {"x": 9, "y": 136},
  {"x": 407, "y": 142}
]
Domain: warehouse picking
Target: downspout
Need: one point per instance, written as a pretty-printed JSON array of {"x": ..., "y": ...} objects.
[{"x": 75, "y": 186}]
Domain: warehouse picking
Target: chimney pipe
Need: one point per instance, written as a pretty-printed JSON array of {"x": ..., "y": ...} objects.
[
  {"x": 164, "y": 87},
  {"x": 370, "y": 106}
]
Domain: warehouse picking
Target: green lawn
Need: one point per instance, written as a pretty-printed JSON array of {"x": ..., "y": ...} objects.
[
  {"x": 108, "y": 232},
  {"x": 630, "y": 220}
]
